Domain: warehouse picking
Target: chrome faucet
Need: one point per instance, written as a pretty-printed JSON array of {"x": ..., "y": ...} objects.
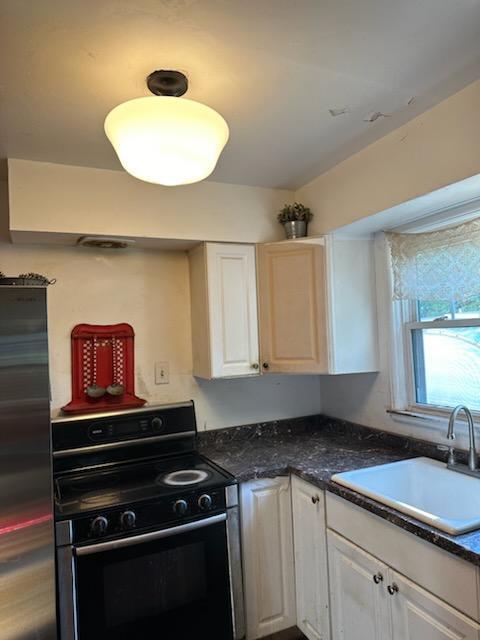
[{"x": 472, "y": 450}]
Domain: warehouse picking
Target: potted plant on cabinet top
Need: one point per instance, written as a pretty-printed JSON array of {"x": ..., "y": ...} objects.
[{"x": 295, "y": 218}]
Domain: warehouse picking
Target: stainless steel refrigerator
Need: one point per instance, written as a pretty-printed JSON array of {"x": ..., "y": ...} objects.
[{"x": 27, "y": 555}]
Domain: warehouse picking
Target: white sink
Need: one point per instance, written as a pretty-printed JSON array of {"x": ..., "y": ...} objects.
[{"x": 422, "y": 488}]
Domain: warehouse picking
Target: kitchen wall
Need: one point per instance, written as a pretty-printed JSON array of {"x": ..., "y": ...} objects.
[
  {"x": 150, "y": 290},
  {"x": 435, "y": 149}
]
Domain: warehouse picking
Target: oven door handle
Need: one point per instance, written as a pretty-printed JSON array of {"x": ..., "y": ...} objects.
[{"x": 149, "y": 537}]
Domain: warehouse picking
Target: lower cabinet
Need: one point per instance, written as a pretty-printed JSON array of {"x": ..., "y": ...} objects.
[
  {"x": 418, "y": 615},
  {"x": 369, "y": 600},
  {"x": 358, "y": 599},
  {"x": 284, "y": 557},
  {"x": 311, "y": 570},
  {"x": 298, "y": 572},
  {"x": 268, "y": 565}
]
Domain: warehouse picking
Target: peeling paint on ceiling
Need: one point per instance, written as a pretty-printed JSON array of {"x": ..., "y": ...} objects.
[
  {"x": 373, "y": 116},
  {"x": 341, "y": 111}
]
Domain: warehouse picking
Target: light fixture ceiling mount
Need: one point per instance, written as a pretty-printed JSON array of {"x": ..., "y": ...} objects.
[
  {"x": 167, "y": 83},
  {"x": 164, "y": 138}
]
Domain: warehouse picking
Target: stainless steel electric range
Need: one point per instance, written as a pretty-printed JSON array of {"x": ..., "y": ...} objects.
[{"x": 147, "y": 530}]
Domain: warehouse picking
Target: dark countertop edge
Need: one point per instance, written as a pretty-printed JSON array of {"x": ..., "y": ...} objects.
[{"x": 419, "y": 529}]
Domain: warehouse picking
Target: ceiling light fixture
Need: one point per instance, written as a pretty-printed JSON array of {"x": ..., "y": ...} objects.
[{"x": 166, "y": 139}]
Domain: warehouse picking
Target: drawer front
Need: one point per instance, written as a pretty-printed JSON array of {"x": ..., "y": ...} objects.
[{"x": 453, "y": 580}]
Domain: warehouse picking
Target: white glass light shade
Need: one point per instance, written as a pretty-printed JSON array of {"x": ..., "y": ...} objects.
[{"x": 167, "y": 140}]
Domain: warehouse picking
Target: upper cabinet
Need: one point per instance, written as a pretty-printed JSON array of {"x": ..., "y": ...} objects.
[
  {"x": 317, "y": 306},
  {"x": 224, "y": 310}
]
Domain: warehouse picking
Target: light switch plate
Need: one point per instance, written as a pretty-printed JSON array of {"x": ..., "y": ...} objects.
[{"x": 162, "y": 374}]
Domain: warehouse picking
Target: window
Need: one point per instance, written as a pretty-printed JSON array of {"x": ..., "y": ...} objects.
[
  {"x": 436, "y": 289},
  {"x": 445, "y": 351}
]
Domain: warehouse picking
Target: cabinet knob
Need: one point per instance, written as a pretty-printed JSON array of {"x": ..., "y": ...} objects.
[
  {"x": 392, "y": 589},
  {"x": 377, "y": 578},
  {"x": 315, "y": 499},
  {"x": 254, "y": 365},
  {"x": 265, "y": 365}
]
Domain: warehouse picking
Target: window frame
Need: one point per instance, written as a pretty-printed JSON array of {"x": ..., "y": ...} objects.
[
  {"x": 393, "y": 315},
  {"x": 413, "y": 405}
]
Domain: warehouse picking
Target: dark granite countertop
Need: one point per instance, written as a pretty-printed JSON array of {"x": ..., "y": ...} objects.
[{"x": 317, "y": 447}]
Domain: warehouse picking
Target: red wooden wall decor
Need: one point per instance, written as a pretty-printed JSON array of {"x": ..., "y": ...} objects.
[{"x": 102, "y": 355}]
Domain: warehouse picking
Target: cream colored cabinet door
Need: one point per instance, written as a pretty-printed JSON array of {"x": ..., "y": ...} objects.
[
  {"x": 418, "y": 615},
  {"x": 359, "y": 601},
  {"x": 291, "y": 290},
  {"x": 224, "y": 310},
  {"x": 310, "y": 547},
  {"x": 267, "y": 549}
]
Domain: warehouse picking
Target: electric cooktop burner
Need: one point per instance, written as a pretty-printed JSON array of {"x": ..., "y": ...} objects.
[
  {"x": 183, "y": 478},
  {"x": 80, "y": 492}
]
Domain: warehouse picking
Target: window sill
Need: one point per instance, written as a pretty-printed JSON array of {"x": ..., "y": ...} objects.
[
  {"x": 432, "y": 427},
  {"x": 418, "y": 418}
]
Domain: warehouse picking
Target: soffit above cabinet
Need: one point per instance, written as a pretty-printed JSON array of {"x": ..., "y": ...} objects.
[{"x": 57, "y": 204}]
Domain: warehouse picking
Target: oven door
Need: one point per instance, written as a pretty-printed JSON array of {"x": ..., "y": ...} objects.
[{"x": 172, "y": 583}]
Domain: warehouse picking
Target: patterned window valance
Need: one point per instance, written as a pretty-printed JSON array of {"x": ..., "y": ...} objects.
[{"x": 438, "y": 265}]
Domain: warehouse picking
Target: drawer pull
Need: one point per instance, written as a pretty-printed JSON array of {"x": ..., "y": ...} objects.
[
  {"x": 315, "y": 499},
  {"x": 377, "y": 578},
  {"x": 392, "y": 589}
]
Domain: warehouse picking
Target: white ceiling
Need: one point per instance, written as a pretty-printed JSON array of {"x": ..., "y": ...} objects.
[{"x": 272, "y": 68}]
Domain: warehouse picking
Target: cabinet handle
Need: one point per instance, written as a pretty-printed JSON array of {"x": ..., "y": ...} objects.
[
  {"x": 265, "y": 365},
  {"x": 315, "y": 499},
  {"x": 392, "y": 589},
  {"x": 377, "y": 578},
  {"x": 255, "y": 365}
]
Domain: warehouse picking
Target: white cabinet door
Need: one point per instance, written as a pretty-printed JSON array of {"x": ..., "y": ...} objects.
[
  {"x": 232, "y": 294},
  {"x": 267, "y": 546},
  {"x": 223, "y": 292},
  {"x": 358, "y": 595},
  {"x": 418, "y": 615},
  {"x": 310, "y": 546}
]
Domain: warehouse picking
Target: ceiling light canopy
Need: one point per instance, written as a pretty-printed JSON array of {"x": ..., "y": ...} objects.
[{"x": 166, "y": 139}]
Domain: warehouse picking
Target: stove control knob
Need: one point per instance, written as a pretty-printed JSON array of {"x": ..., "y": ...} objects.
[
  {"x": 205, "y": 502},
  {"x": 157, "y": 424},
  {"x": 99, "y": 526},
  {"x": 128, "y": 519},
  {"x": 180, "y": 507}
]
